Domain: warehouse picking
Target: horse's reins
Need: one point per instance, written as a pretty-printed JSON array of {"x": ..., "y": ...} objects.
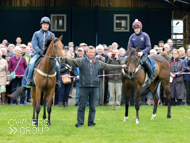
[
  {"x": 137, "y": 67},
  {"x": 52, "y": 60}
]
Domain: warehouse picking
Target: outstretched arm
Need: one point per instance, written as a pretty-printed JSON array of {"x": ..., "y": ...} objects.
[
  {"x": 73, "y": 62},
  {"x": 110, "y": 67}
]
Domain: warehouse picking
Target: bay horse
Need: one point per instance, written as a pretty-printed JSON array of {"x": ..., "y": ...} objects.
[
  {"x": 45, "y": 78},
  {"x": 134, "y": 76}
]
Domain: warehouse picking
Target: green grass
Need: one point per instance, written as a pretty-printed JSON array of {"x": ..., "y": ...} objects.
[{"x": 109, "y": 125}]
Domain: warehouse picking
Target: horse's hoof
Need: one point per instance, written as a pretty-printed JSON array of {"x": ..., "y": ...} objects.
[
  {"x": 137, "y": 121},
  {"x": 36, "y": 124},
  {"x": 125, "y": 119},
  {"x": 168, "y": 116},
  {"x": 44, "y": 117},
  {"x": 48, "y": 123},
  {"x": 153, "y": 116}
]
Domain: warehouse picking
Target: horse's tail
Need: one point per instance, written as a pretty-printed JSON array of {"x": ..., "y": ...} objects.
[
  {"x": 156, "y": 87},
  {"x": 19, "y": 91}
]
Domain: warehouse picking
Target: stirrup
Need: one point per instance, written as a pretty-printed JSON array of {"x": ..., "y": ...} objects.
[{"x": 29, "y": 82}]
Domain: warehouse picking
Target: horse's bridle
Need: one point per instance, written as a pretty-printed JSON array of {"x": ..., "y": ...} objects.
[
  {"x": 131, "y": 75},
  {"x": 52, "y": 57},
  {"x": 52, "y": 43}
]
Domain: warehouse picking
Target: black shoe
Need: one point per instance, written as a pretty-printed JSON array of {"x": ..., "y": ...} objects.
[
  {"x": 78, "y": 125},
  {"x": 92, "y": 125}
]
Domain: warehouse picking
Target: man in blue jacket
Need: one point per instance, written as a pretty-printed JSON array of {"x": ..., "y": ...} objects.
[
  {"x": 38, "y": 43},
  {"x": 142, "y": 39}
]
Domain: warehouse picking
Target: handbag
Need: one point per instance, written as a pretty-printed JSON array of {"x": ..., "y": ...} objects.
[
  {"x": 66, "y": 79},
  {"x": 12, "y": 77}
]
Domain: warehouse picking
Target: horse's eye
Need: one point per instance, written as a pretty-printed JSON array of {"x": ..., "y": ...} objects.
[{"x": 55, "y": 46}]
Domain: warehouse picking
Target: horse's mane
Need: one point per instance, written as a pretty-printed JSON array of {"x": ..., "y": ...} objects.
[
  {"x": 131, "y": 52},
  {"x": 47, "y": 43}
]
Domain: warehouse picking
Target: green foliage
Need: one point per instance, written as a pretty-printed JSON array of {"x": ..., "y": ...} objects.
[{"x": 109, "y": 125}]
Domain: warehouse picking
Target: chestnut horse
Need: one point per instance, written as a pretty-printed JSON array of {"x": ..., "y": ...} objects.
[
  {"x": 133, "y": 77},
  {"x": 45, "y": 78}
]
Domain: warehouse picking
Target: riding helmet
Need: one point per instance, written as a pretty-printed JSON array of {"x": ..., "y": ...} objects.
[
  {"x": 45, "y": 20},
  {"x": 137, "y": 24}
]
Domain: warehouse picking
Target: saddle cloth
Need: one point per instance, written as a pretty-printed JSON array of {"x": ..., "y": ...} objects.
[
  {"x": 24, "y": 79},
  {"x": 152, "y": 65}
]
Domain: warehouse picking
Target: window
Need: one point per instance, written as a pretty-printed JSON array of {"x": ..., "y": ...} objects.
[
  {"x": 121, "y": 22},
  {"x": 58, "y": 22},
  {"x": 177, "y": 33}
]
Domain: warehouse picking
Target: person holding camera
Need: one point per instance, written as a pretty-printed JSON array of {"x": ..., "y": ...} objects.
[
  {"x": 160, "y": 50},
  {"x": 166, "y": 52},
  {"x": 114, "y": 81},
  {"x": 187, "y": 77},
  {"x": 104, "y": 58},
  {"x": 176, "y": 81}
]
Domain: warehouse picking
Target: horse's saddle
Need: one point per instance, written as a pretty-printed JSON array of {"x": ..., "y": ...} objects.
[
  {"x": 24, "y": 80},
  {"x": 152, "y": 65},
  {"x": 37, "y": 61}
]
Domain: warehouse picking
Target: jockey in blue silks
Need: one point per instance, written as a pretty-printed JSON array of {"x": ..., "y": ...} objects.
[
  {"x": 142, "y": 39},
  {"x": 38, "y": 43}
]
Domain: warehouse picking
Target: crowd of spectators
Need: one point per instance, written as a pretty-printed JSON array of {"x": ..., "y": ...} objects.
[{"x": 110, "y": 86}]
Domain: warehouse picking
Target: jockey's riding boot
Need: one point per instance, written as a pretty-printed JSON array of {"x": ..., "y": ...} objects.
[
  {"x": 29, "y": 82},
  {"x": 148, "y": 70}
]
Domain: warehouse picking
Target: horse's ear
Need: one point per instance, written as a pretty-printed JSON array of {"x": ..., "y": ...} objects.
[
  {"x": 138, "y": 48},
  {"x": 129, "y": 47},
  {"x": 60, "y": 38},
  {"x": 51, "y": 37}
]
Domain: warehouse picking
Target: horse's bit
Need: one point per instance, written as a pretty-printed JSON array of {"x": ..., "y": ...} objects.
[{"x": 131, "y": 75}]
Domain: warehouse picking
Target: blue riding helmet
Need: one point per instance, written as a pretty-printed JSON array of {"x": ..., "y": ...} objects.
[{"x": 45, "y": 20}]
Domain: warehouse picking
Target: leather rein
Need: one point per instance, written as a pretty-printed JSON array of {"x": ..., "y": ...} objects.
[
  {"x": 52, "y": 63},
  {"x": 132, "y": 74}
]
